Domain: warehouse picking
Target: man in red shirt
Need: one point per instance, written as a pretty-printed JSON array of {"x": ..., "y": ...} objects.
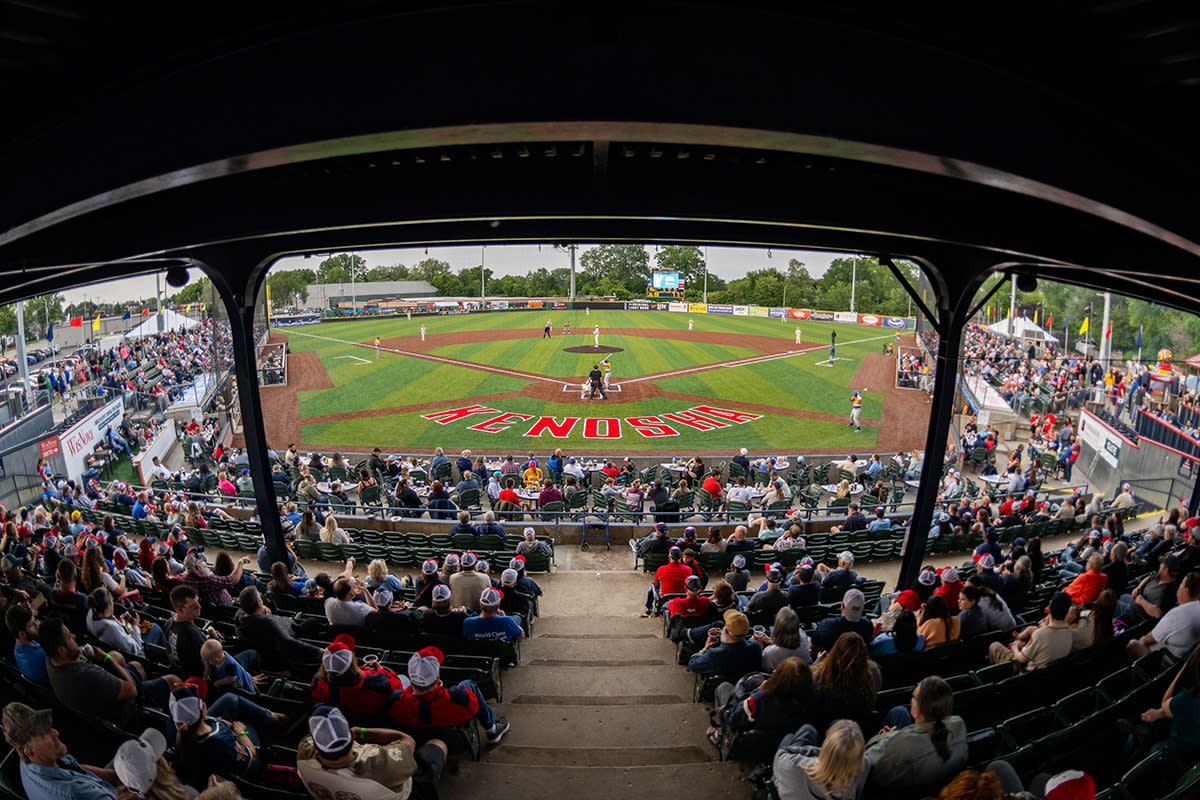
[
  {"x": 671, "y": 578},
  {"x": 712, "y": 484},
  {"x": 691, "y": 604},
  {"x": 508, "y": 495},
  {"x": 428, "y": 703}
]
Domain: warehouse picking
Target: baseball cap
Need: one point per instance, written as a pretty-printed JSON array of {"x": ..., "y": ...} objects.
[
  {"x": 927, "y": 577},
  {"x": 185, "y": 705},
  {"x": 1174, "y": 564},
  {"x": 424, "y": 667},
  {"x": 310, "y": 586},
  {"x": 774, "y": 576},
  {"x": 739, "y": 562},
  {"x": 1070, "y": 785},
  {"x": 1060, "y": 604},
  {"x": 452, "y": 560},
  {"x": 943, "y": 517},
  {"x": 383, "y": 597},
  {"x": 136, "y": 762},
  {"x": 329, "y": 730},
  {"x": 339, "y": 655},
  {"x": 660, "y": 526},
  {"x": 22, "y": 723},
  {"x": 517, "y": 563},
  {"x": 468, "y": 560},
  {"x": 528, "y": 532},
  {"x": 806, "y": 572},
  {"x": 1019, "y": 541},
  {"x": 441, "y": 593},
  {"x": 674, "y": 553},
  {"x": 429, "y": 566},
  {"x": 483, "y": 566},
  {"x": 852, "y": 603},
  {"x": 50, "y": 541},
  {"x": 736, "y": 623},
  {"x": 987, "y": 561},
  {"x": 70, "y": 551},
  {"x": 693, "y": 582},
  {"x": 490, "y": 598},
  {"x": 7, "y": 563},
  {"x": 689, "y": 532},
  {"x": 76, "y": 516},
  {"x": 508, "y": 577},
  {"x": 949, "y": 575}
]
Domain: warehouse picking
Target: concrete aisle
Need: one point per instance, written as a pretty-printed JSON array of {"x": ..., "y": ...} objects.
[{"x": 598, "y": 707}]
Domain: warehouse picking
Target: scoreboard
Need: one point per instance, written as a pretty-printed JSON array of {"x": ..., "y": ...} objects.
[{"x": 665, "y": 284}]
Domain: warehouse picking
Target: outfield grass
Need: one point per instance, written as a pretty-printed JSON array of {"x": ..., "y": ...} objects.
[{"x": 362, "y": 383}]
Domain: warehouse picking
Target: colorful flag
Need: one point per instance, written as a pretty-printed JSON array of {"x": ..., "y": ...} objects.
[
  {"x": 145, "y": 312},
  {"x": 1083, "y": 329},
  {"x": 76, "y": 322},
  {"x": 1035, "y": 316},
  {"x": 96, "y": 322},
  {"x": 1049, "y": 320},
  {"x": 1108, "y": 331},
  {"x": 1139, "y": 339},
  {"x": 50, "y": 332},
  {"x": 127, "y": 314}
]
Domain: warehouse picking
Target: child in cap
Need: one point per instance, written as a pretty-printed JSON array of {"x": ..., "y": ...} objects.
[{"x": 223, "y": 671}]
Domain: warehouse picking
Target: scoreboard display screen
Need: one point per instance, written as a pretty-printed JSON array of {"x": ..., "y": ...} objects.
[{"x": 665, "y": 280}]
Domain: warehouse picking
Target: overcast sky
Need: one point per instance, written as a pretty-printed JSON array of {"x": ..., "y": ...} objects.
[{"x": 728, "y": 262}]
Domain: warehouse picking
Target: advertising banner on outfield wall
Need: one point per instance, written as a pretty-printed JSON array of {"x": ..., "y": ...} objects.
[
  {"x": 719, "y": 309},
  {"x": 895, "y": 323},
  {"x": 560, "y": 306},
  {"x": 500, "y": 305},
  {"x": 536, "y": 304},
  {"x": 760, "y": 311},
  {"x": 637, "y": 305},
  {"x": 697, "y": 308},
  {"x": 662, "y": 306},
  {"x": 777, "y": 313},
  {"x": 678, "y": 308},
  {"x": 801, "y": 313},
  {"x": 741, "y": 311},
  {"x": 821, "y": 316},
  {"x": 845, "y": 316},
  {"x": 869, "y": 319}
]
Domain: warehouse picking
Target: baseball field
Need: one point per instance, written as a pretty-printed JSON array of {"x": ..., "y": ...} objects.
[{"x": 493, "y": 382}]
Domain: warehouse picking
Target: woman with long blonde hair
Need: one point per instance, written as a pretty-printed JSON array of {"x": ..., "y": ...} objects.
[{"x": 835, "y": 770}]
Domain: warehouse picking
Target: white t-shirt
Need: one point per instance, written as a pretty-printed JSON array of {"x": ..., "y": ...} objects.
[
  {"x": 346, "y": 612},
  {"x": 740, "y": 494},
  {"x": 1179, "y": 629}
]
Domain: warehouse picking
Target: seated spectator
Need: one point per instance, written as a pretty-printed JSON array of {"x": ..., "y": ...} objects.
[
  {"x": 428, "y": 703},
  {"x": 359, "y": 692},
  {"x": 912, "y": 599},
  {"x": 1084, "y": 590},
  {"x": 804, "y": 590},
  {"x": 274, "y": 636},
  {"x": 1092, "y": 627},
  {"x": 223, "y": 740},
  {"x": 1154, "y": 596},
  {"x": 351, "y": 603},
  {"x": 937, "y": 624},
  {"x": 223, "y": 671},
  {"x": 999, "y": 615},
  {"x": 490, "y": 527},
  {"x": 532, "y": 476},
  {"x": 512, "y": 600},
  {"x": 428, "y": 579},
  {"x": 727, "y": 652},
  {"x": 378, "y": 577},
  {"x": 549, "y": 493},
  {"x": 846, "y": 682},
  {"x": 739, "y": 543},
  {"x": 837, "y": 768},
  {"x": 777, "y": 702},
  {"x": 66, "y": 600},
  {"x": 670, "y": 578},
  {"x": 440, "y": 505},
  {"x": 492, "y": 625},
  {"x": 738, "y": 577},
  {"x": 27, "y": 652},
  {"x": 336, "y": 760},
  {"x": 440, "y": 619},
  {"x": 902, "y": 638},
  {"x": 786, "y": 640},
  {"x": 181, "y": 637},
  {"x": 467, "y": 584},
  {"x": 1046, "y": 644},
  {"x": 922, "y": 745},
  {"x": 332, "y": 533},
  {"x": 213, "y": 589},
  {"x": 771, "y": 599},
  {"x": 881, "y": 522},
  {"x": 1181, "y": 706},
  {"x": 467, "y": 484},
  {"x": 844, "y": 575},
  {"x": 123, "y": 635},
  {"x": 830, "y": 629},
  {"x": 531, "y": 544},
  {"x": 99, "y": 685},
  {"x": 1179, "y": 629},
  {"x": 47, "y": 770},
  {"x": 692, "y": 604},
  {"x": 464, "y": 527}
]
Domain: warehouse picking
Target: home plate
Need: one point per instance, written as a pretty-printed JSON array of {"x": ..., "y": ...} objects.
[{"x": 578, "y": 387}]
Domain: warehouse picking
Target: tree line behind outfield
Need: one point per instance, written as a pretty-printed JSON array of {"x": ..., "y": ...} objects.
[{"x": 624, "y": 271}]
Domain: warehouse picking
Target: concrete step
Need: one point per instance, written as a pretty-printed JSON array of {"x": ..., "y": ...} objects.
[
  {"x": 556, "y": 757},
  {"x": 613, "y": 651},
  {"x": 596, "y": 726},
  {"x": 586, "y": 626},
  {"x": 548, "y": 685},
  {"x": 487, "y": 780}
]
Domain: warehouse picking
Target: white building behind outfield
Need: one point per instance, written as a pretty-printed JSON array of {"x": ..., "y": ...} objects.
[
  {"x": 1023, "y": 329},
  {"x": 329, "y": 295}
]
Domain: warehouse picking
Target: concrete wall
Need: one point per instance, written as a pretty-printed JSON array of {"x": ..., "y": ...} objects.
[
  {"x": 34, "y": 426},
  {"x": 1160, "y": 476}
]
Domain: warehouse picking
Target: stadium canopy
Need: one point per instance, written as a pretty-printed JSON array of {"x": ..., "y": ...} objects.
[
  {"x": 172, "y": 321},
  {"x": 1022, "y": 328}
]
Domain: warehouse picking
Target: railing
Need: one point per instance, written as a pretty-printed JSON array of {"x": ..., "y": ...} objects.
[
  {"x": 272, "y": 365},
  {"x": 1161, "y": 491},
  {"x": 18, "y": 490},
  {"x": 1163, "y": 432}
]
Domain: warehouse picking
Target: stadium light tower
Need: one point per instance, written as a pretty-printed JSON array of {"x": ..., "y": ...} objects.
[
  {"x": 853, "y": 279},
  {"x": 570, "y": 248}
]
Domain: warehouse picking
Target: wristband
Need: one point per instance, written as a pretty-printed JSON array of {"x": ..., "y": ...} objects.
[
  {"x": 243, "y": 733},
  {"x": 107, "y": 657},
  {"x": 362, "y": 734}
]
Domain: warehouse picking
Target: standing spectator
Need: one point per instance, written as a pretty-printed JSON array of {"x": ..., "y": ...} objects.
[{"x": 336, "y": 760}]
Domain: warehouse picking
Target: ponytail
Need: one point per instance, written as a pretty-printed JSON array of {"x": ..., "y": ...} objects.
[{"x": 941, "y": 739}]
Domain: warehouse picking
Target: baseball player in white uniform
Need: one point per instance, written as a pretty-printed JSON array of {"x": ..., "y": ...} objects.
[
  {"x": 689, "y": 324},
  {"x": 596, "y": 336},
  {"x": 422, "y": 333},
  {"x": 797, "y": 336}
]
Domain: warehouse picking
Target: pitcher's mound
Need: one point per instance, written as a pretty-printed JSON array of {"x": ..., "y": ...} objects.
[{"x": 592, "y": 349}]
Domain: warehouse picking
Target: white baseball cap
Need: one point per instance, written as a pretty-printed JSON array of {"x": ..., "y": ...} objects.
[
  {"x": 424, "y": 667},
  {"x": 441, "y": 593},
  {"x": 329, "y": 730},
  {"x": 136, "y": 761}
]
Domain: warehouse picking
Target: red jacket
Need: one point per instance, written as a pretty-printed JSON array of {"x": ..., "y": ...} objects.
[
  {"x": 368, "y": 698},
  {"x": 1087, "y": 587},
  {"x": 689, "y": 607},
  {"x": 439, "y": 708}
]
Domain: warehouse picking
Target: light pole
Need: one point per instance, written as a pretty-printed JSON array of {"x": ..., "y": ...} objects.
[
  {"x": 853, "y": 279},
  {"x": 706, "y": 274}
]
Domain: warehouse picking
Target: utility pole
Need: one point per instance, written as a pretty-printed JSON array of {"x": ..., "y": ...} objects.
[
  {"x": 160, "y": 322},
  {"x": 22, "y": 362},
  {"x": 482, "y": 262},
  {"x": 853, "y": 280},
  {"x": 1105, "y": 340},
  {"x": 571, "y": 248},
  {"x": 1012, "y": 304},
  {"x": 706, "y": 274},
  {"x": 353, "y": 291}
]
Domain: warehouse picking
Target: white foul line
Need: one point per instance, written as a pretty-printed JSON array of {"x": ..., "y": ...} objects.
[
  {"x": 749, "y": 361},
  {"x": 356, "y": 358},
  {"x": 455, "y": 362}
]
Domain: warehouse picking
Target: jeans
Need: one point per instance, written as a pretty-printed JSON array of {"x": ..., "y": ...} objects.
[
  {"x": 898, "y": 717},
  {"x": 232, "y": 707},
  {"x": 250, "y": 660},
  {"x": 154, "y": 635},
  {"x": 1071, "y": 569},
  {"x": 1124, "y": 603},
  {"x": 651, "y": 599},
  {"x": 152, "y": 692},
  {"x": 485, "y": 716}
]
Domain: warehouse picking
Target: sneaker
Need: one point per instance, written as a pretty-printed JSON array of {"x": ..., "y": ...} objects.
[{"x": 502, "y": 727}]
